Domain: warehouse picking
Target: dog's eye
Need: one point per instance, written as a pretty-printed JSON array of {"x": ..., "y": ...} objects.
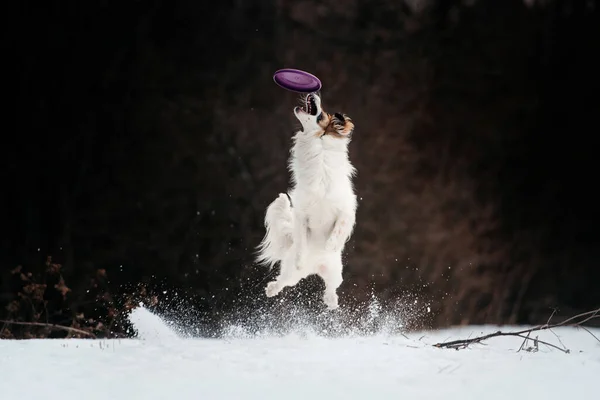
[{"x": 320, "y": 117}]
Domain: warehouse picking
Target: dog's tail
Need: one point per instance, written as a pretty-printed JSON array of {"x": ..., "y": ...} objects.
[{"x": 279, "y": 222}]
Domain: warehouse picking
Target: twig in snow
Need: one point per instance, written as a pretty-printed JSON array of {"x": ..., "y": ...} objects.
[
  {"x": 525, "y": 333},
  {"x": 524, "y": 342},
  {"x": 536, "y": 341},
  {"x": 590, "y": 332},
  {"x": 550, "y": 329}
]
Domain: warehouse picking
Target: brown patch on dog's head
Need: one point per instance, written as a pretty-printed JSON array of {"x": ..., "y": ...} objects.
[
  {"x": 320, "y": 123},
  {"x": 338, "y": 125}
]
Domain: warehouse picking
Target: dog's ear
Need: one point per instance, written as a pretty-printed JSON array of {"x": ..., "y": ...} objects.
[
  {"x": 348, "y": 128},
  {"x": 343, "y": 124},
  {"x": 340, "y": 126},
  {"x": 340, "y": 117}
]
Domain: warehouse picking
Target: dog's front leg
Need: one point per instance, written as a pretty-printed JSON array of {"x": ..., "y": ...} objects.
[
  {"x": 300, "y": 240},
  {"x": 342, "y": 229}
]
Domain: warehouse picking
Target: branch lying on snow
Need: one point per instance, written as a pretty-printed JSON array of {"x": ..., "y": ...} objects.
[
  {"x": 52, "y": 326},
  {"x": 575, "y": 321}
]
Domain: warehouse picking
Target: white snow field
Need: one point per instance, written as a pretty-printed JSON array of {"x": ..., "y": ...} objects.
[{"x": 160, "y": 364}]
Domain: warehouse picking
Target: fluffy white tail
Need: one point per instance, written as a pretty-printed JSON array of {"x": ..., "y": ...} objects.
[{"x": 279, "y": 222}]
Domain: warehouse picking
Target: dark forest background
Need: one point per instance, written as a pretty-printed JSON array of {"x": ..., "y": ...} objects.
[{"x": 143, "y": 140}]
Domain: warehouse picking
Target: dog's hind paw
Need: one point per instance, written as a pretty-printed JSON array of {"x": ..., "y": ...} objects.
[
  {"x": 272, "y": 289},
  {"x": 331, "y": 300}
]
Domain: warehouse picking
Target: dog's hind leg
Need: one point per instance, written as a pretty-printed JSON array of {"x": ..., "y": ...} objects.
[
  {"x": 288, "y": 276},
  {"x": 331, "y": 273}
]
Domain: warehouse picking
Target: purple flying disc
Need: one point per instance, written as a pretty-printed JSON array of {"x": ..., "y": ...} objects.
[{"x": 297, "y": 80}]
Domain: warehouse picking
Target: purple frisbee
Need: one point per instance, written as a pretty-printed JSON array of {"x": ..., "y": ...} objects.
[{"x": 297, "y": 80}]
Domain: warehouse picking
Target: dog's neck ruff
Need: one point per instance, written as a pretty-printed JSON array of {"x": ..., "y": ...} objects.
[{"x": 320, "y": 163}]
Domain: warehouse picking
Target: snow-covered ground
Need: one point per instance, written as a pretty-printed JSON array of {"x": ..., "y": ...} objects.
[{"x": 162, "y": 365}]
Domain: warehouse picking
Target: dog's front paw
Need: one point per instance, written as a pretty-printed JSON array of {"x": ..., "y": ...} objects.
[
  {"x": 272, "y": 289},
  {"x": 331, "y": 300},
  {"x": 283, "y": 201}
]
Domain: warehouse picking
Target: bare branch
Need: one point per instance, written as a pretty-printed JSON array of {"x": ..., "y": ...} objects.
[
  {"x": 551, "y": 315},
  {"x": 525, "y": 333},
  {"x": 546, "y": 343},
  {"x": 524, "y": 342},
  {"x": 590, "y": 332}
]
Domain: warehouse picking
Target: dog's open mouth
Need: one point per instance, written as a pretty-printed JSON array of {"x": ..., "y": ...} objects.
[{"x": 310, "y": 105}]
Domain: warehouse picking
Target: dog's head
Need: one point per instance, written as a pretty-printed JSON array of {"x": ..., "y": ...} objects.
[{"x": 316, "y": 121}]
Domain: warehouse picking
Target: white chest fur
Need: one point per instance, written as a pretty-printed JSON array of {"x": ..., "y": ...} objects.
[{"x": 322, "y": 182}]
